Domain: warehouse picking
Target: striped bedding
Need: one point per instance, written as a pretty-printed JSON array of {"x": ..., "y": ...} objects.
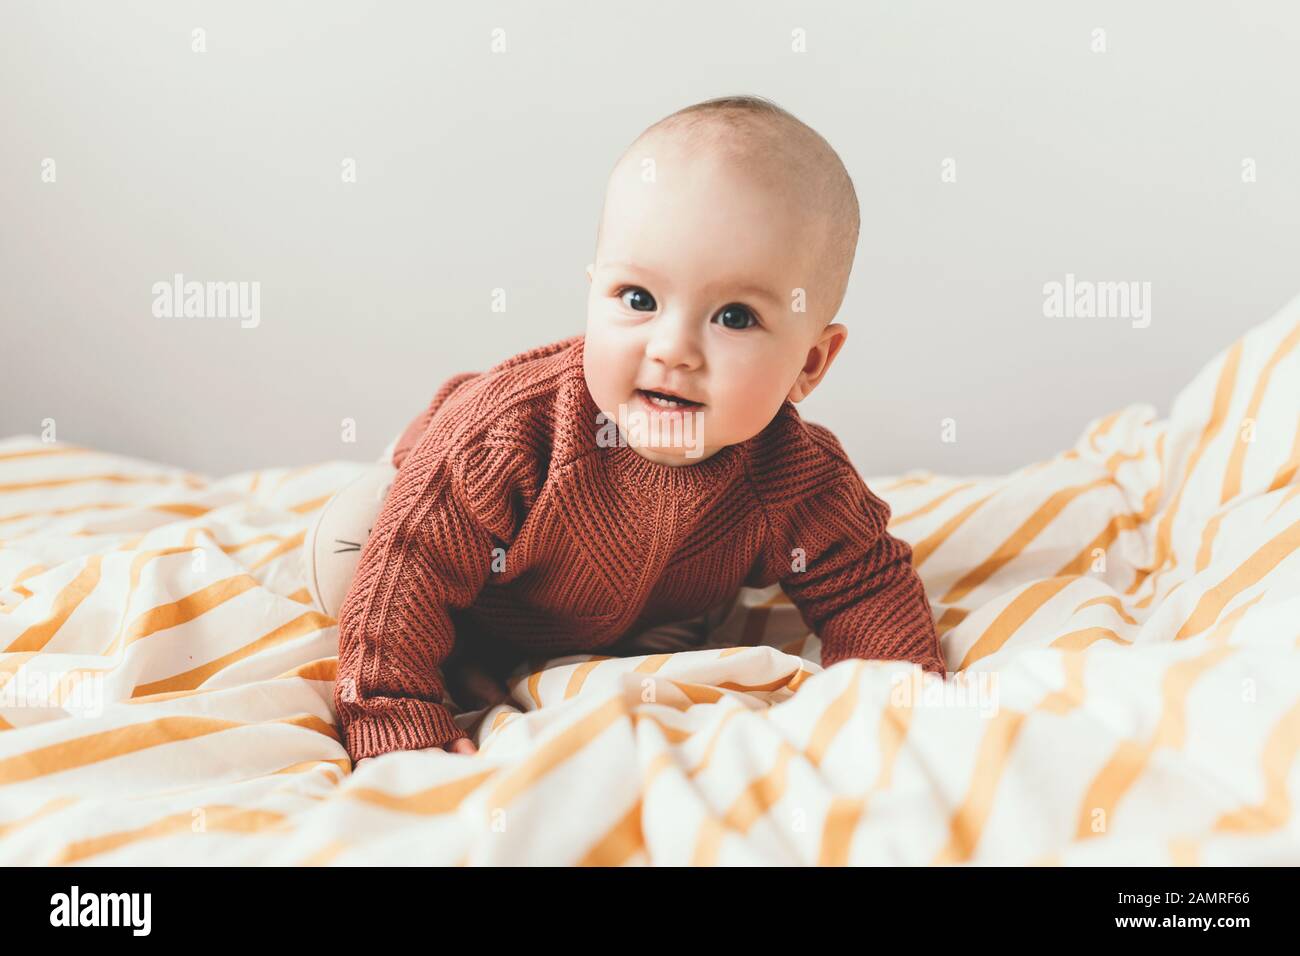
[{"x": 1125, "y": 619}]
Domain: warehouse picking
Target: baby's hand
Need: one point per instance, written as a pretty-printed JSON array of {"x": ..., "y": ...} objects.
[
  {"x": 472, "y": 685},
  {"x": 461, "y": 745}
]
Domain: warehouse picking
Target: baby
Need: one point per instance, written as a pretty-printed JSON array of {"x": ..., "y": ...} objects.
[{"x": 644, "y": 472}]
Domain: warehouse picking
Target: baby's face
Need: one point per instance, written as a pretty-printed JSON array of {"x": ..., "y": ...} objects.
[{"x": 696, "y": 290}]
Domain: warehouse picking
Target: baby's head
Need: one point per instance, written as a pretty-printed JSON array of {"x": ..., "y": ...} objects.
[{"x": 723, "y": 252}]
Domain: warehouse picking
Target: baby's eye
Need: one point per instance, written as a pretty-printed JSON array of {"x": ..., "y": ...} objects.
[
  {"x": 647, "y": 302},
  {"x": 738, "y": 313}
]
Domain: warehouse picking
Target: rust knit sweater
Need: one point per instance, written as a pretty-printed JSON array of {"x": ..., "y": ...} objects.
[{"x": 508, "y": 525}]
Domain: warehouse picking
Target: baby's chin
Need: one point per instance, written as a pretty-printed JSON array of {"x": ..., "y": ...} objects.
[
  {"x": 674, "y": 456},
  {"x": 675, "y": 437}
]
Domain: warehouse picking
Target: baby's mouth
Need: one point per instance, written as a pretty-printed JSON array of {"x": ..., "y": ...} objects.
[{"x": 660, "y": 400}]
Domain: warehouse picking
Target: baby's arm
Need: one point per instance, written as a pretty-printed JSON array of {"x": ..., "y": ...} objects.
[
  {"x": 858, "y": 590},
  {"x": 428, "y": 551}
]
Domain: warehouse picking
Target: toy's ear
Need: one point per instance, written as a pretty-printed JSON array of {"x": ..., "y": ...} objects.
[{"x": 590, "y": 267}]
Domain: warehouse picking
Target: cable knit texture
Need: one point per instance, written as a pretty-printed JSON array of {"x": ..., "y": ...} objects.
[{"x": 511, "y": 525}]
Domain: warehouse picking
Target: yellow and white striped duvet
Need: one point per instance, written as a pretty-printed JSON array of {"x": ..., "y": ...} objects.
[{"x": 1126, "y": 615}]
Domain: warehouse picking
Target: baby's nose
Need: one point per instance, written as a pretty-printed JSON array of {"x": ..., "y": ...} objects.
[{"x": 673, "y": 342}]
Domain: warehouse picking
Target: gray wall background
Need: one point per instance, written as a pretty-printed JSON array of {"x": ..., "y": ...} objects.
[{"x": 478, "y": 170}]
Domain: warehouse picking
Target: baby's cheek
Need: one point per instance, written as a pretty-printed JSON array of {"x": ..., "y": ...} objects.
[
  {"x": 740, "y": 424},
  {"x": 606, "y": 379},
  {"x": 741, "y": 420}
]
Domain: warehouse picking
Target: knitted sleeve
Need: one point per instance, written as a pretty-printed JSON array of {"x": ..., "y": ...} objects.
[
  {"x": 853, "y": 582},
  {"x": 856, "y": 585},
  {"x": 431, "y": 549},
  {"x": 414, "y": 431}
]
